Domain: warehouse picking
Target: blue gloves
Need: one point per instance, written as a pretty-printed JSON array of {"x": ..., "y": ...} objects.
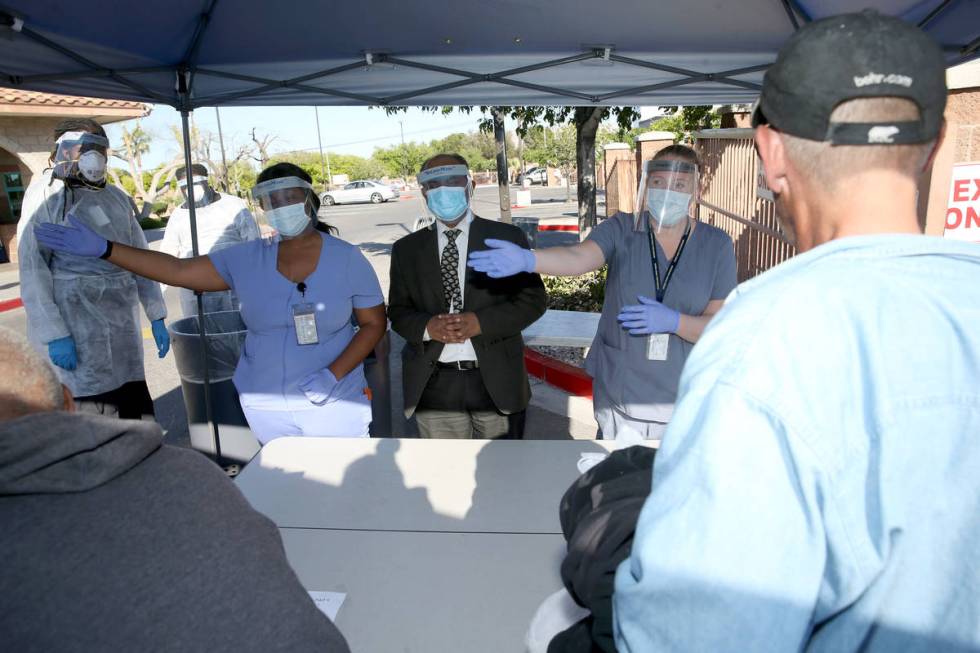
[
  {"x": 79, "y": 239},
  {"x": 649, "y": 316},
  {"x": 62, "y": 353},
  {"x": 161, "y": 337},
  {"x": 319, "y": 386},
  {"x": 504, "y": 259}
]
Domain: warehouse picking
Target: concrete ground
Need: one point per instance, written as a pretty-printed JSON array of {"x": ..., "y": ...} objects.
[{"x": 553, "y": 414}]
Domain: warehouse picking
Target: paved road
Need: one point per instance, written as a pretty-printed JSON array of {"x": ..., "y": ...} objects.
[{"x": 374, "y": 228}]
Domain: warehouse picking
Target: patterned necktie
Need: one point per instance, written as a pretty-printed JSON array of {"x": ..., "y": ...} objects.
[{"x": 450, "y": 273}]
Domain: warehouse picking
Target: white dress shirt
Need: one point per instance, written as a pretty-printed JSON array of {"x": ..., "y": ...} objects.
[{"x": 463, "y": 351}]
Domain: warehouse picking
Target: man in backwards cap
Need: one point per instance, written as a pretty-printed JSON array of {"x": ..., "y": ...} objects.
[{"x": 817, "y": 488}]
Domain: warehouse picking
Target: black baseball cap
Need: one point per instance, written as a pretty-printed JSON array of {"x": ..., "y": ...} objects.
[{"x": 851, "y": 56}]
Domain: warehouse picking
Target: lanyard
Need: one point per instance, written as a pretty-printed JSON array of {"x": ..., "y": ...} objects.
[{"x": 662, "y": 286}]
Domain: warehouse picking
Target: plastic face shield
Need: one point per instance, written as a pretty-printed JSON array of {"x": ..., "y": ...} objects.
[
  {"x": 441, "y": 185},
  {"x": 202, "y": 189},
  {"x": 71, "y": 148},
  {"x": 275, "y": 194},
  {"x": 666, "y": 194}
]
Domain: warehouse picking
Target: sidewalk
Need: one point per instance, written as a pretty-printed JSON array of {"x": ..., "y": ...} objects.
[{"x": 9, "y": 286}]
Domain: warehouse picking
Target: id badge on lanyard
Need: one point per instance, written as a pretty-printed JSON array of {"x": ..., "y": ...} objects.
[
  {"x": 658, "y": 344},
  {"x": 304, "y": 317}
]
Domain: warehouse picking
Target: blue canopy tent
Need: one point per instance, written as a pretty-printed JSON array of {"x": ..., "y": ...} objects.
[
  {"x": 203, "y": 53},
  {"x": 196, "y": 53}
]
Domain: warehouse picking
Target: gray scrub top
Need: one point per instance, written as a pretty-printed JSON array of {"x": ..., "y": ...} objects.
[{"x": 617, "y": 361}]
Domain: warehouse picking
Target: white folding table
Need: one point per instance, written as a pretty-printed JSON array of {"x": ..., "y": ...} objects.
[{"x": 440, "y": 545}]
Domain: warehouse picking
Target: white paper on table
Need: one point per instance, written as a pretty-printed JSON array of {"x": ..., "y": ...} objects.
[{"x": 328, "y": 602}]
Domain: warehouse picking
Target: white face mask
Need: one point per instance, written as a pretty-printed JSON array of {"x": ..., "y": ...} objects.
[
  {"x": 91, "y": 165},
  {"x": 668, "y": 207},
  {"x": 447, "y": 203},
  {"x": 290, "y": 220},
  {"x": 201, "y": 195}
]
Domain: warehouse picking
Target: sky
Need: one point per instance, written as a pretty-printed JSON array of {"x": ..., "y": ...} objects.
[{"x": 344, "y": 130}]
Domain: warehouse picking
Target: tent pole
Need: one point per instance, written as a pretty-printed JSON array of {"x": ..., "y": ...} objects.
[{"x": 185, "y": 127}]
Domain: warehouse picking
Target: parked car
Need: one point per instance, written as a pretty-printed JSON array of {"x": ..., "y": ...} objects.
[
  {"x": 359, "y": 191},
  {"x": 534, "y": 175},
  {"x": 398, "y": 184}
]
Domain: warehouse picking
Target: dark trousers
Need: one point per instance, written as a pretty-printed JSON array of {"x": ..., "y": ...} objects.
[
  {"x": 456, "y": 404},
  {"x": 129, "y": 401}
]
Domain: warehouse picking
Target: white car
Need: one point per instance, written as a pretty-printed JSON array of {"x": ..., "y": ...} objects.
[{"x": 359, "y": 191}]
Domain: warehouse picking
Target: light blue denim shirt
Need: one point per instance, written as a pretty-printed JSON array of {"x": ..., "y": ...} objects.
[{"x": 818, "y": 488}]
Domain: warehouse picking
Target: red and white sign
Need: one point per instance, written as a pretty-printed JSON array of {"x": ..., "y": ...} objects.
[
  {"x": 963, "y": 207},
  {"x": 762, "y": 189}
]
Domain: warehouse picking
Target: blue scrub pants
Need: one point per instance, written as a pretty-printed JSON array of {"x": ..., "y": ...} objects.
[{"x": 346, "y": 418}]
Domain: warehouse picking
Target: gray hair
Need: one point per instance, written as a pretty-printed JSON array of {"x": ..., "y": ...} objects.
[
  {"x": 827, "y": 165},
  {"x": 28, "y": 383}
]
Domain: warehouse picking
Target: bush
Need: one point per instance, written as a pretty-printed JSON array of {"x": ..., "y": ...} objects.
[
  {"x": 152, "y": 223},
  {"x": 582, "y": 293}
]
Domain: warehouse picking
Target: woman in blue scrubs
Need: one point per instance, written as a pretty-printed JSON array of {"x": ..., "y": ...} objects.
[{"x": 301, "y": 369}]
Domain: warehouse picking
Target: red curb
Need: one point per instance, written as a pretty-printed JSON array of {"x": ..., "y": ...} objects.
[
  {"x": 11, "y": 304},
  {"x": 558, "y": 227},
  {"x": 554, "y": 372}
]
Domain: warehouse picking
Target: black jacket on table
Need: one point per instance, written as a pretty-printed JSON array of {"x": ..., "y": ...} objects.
[
  {"x": 504, "y": 307},
  {"x": 598, "y": 518}
]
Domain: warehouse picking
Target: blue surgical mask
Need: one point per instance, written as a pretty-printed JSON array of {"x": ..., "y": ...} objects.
[
  {"x": 290, "y": 220},
  {"x": 447, "y": 203},
  {"x": 668, "y": 207}
]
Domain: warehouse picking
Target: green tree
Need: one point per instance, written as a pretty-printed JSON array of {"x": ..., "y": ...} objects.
[
  {"x": 402, "y": 160},
  {"x": 142, "y": 185},
  {"x": 684, "y": 122},
  {"x": 586, "y": 121}
]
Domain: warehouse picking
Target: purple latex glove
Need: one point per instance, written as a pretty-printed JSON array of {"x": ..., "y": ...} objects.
[
  {"x": 649, "y": 316},
  {"x": 319, "y": 386},
  {"x": 503, "y": 259},
  {"x": 78, "y": 239}
]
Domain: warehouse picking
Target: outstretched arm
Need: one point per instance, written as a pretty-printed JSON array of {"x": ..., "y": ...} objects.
[
  {"x": 194, "y": 273},
  {"x": 505, "y": 259}
]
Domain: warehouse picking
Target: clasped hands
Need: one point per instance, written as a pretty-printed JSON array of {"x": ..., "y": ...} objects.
[{"x": 453, "y": 328}]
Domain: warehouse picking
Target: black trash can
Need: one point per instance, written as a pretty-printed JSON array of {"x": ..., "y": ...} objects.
[{"x": 225, "y": 334}]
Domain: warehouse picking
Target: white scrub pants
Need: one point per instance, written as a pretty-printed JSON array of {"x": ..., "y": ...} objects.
[
  {"x": 614, "y": 424},
  {"x": 337, "y": 419}
]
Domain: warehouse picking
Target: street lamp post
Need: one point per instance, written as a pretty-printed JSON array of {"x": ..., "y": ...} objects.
[
  {"x": 323, "y": 173},
  {"x": 401, "y": 127},
  {"x": 224, "y": 161}
]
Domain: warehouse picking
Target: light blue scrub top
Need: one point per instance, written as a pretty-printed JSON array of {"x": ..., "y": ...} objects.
[
  {"x": 272, "y": 363},
  {"x": 818, "y": 488}
]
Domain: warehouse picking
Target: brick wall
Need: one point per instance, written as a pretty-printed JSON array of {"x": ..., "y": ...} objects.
[{"x": 29, "y": 139}]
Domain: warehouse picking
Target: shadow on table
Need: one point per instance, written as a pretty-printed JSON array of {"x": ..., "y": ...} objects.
[
  {"x": 293, "y": 497},
  {"x": 496, "y": 493},
  {"x": 382, "y": 469}
]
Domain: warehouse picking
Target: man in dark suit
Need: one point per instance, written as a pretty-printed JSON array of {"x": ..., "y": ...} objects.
[{"x": 463, "y": 363}]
